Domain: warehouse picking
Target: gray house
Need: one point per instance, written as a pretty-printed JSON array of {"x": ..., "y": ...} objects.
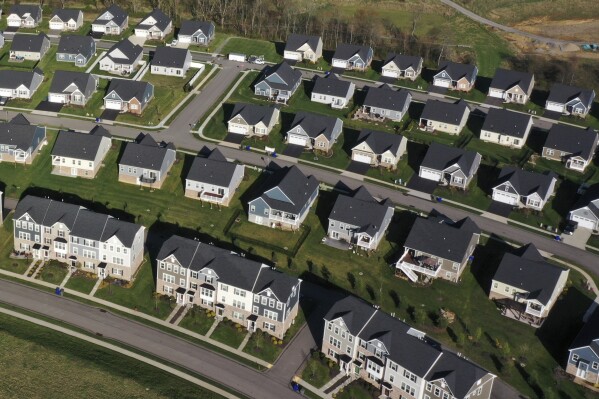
[
  {"x": 24, "y": 16},
  {"x": 278, "y": 83},
  {"x": 196, "y": 32},
  {"x": 213, "y": 179},
  {"x": 512, "y": 86},
  {"x": 449, "y": 165},
  {"x": 314, "y": 131},
  {"x": 171, "y": 61},
  {"x": 20, "y": 141},
  {"x": 524, "y": 189},
  {"x": 253, "y": 120},
  {"x": 455, "y": 76},
  {"x": 583, "y": 357},
  {"x": 573, "y": 146},
  {"x": 113, "y": 21},
  {"x": 352, "y": 57},
  {"x": 570, "y": 100},
  {"x": 586, "y": 209},
  {"x": 247, "y": 292},
  {"x": 80, "y": 154},
  {"x": 122, "y": 58},
  {"x": 360, "y": 219},
  {"x": 438, "y": 247},
  {"x": 332, "y": 90},
  {"x": 286, "y": 199},
  {"x": 146, "y": 162},
  {"x": 127, "y": 95},
  {"x": 383, "y": 103},
  {"x": 378, "y": 148},
  {"x": 73, "y": 88},
  {"x": 76, "y": 49},
  {"x": 400, "y": 66},
  {"x": 29, "y": 47},
  {"x": 66, "y": 19},
  {"x": 20, "y": 84}
]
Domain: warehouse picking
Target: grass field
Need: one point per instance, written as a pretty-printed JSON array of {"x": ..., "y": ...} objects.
[
  {"x": 252, "y": 47},
  {"x": 229, "y": 333},
  {"x": 53, "y": 272},
  {"x": 82, "y": 282},
  {"x": 197, "y": 320}
]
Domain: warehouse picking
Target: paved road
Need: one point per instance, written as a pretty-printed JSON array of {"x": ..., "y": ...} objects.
[{"x": 154, "y": 342}]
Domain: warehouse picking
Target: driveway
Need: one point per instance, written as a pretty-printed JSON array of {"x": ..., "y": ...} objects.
[
  {"x": 137, "y": 40},
  {"x": 359, "y": 168},
  {"x": 49, "y": 107},
  {"x": 423, "y": 185},
  {"x": 110, "y": 114},
  {"x": 578, "y": 239},
  {"x": 501, "y": 209},
  {"x": 234, "y": 138},
  {"x": 293, "y": 150}
]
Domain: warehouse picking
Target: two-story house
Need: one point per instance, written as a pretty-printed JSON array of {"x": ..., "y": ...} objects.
[
  {"x": 573, "y": 146},
  {"x": 383, "y": 102},
  {"x": 113, "y": 21},
  {"x": 444, "y": 116},
  {"x": 170, "y": 61},
  {"x": 80, "y": 154},
  {"x": 352, "y": 57},
  {"x": 570, "y": 100},
  {"x": 122, "y": 58},
  {"x": 360, "y": 219},
  {"x": 583, "y": 356},
  {"x": 378, "y": 148},
  {"x": 76, "y": 49},
  {"x": 29, "y": 47},
  {"x": 253, "y": 120},
  {"x": 154, "y": 26},
  {"x": 400, "y": 66},
  {"x": 438, "y": 247},
  {"x": 20, "y": 141},
  {"x": 24, "y": 16},
  {"x": 196, "y": 32},
  {"x": 455, "y": 76},
  {"x": 64, "y": 19},
  {"x": 303, "y": 47},
  {"x": 333, "y": 91},
  {"x": 512, "y": 86},
  {"x": 72, "y": 234},
  {"x": 74, "y": 88},
  {"x": 506, "y": 128},
  {"x": 20, "y": 84},
  {"x": 524, "y": 189},
  {"x": 248, "y": 292},
  {"x": 278, "y": 83},
  {"x": 526, "y": 286},
  {"x": 449, "y": 165},
  {"x": 213, "y": 178},
  {"x": 146, "y": 162},
  {"x": 314, "y": 131},
  {"x": 585, "y": 211},
  {"x": 285, "y": 200},
  {"x": 127, "y": 95}
]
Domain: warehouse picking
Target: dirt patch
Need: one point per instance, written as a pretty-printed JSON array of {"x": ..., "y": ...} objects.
[{"x": 575, "y": 30}]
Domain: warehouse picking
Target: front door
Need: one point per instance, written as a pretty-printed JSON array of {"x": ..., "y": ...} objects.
[
  {"x": 179, "y": 298},
  {"x": 335, "y": 235},
  {"x": 102, "y": 273},
  {"x": 581, "y": 371},
  {"x": 73, "y": 171},
  {"x": 251, "y": 325}
]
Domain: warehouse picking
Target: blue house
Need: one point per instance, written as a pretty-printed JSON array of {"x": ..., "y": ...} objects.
[{"x": 583, "y": 359}]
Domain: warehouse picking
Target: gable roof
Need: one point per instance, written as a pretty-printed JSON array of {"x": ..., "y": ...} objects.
[
  {"x": 13, "y": 79},
  {"x": 354, "y": 311},
  {"x": 526, "y": 182},
  {"x": 403, "y": 61},
  {"x": 288, "y": 74},
  {"x": 162, "y": 20},
  {"x": 66, "y": 14},
  {"x": 75, "y": 44},
  {"x": 85, "y": 82},
  {"x": 361, "y": 209},
  {"x": 460, "y": 374},
  {"x": 440, "y": 157},
  {"x": 331, "y": 85},
  {"x": 128, "y": 89},
  {"x": 118, "y": 16},
  {"x": 380, "y": 142},
  {"x": 387, "y": 98},
  {"x": 279, "y": 283},
  {"x": 346, "y": 51},
  {"x": 509, "y": 123},
  {"x": 589, "y": 199},
  {"x": 21, "y": 9},
  {"x": 128, "y": 49},
  {"x": 442, "y": 237},
  {"x": 76, "y": 145},
  {"x": 214, "y": 169},
  {"x": 573, "y": 140},
  {"x": 561, "y": 94},
  {"x": 20, "y": 119},
  {"x": 295, "y": 41},
  {"x": 19, "y": 135},
  {"x": 24, "y": 42},
  {"x": 529, "y": 272},
  {"x": 294, "y": 184},
  {"x": 170, "y": 57},
  {"x": 505, "y": 79},
  {"x": 314, "y": 124},
  {"x": 145, "y": 153},
  {"x": 441, "y": 111},
  {"x": 457, "y": 71},
  {"x": 253, "y": 114},
  {"x": 588, "y": 334},
  {"x": 188, "y": 28}
]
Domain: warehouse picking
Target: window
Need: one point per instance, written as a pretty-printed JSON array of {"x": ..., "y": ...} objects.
[
  {"x": 182, "y": 282},
  {"x": 256, "y": 299},
  {"x": 429, "y": 387},
  {"x": 194, "y": 275},
  {"x": 550, "y": 151},
  {"x": 507, "y": 289},
  {"x": 516, "y": 142},
  {"x": 264, "y": 300},
  {"x": 252, "y": 208},
  {"x": 271, "y": 303},
  {"x": 595, "y": 366},
  {"x": 348, "y": 350},
  {"x": 445, "y": 395},
  {"x": 224, "y": 288},
  {"x": 393, "y": 366},
  {"x": 335, "y": 342},
  {"x": 18, "y": 223},
  {"x": 437, "y": 391},
  {"x": 167, "y": 278},
  {"x": 255, "y": 310},
  {"x": 409, "y": 376},
  {"x": 279, "y": 306},
  {"x": 270, "y": 315},
  {"x": 479, "y": 391},
  {"x": 391, "y": 378},
  {"x": 269, "y": 326},
  {"x": 574, "y": 357},
  {"x": 495, "y": 285},
  {"x": 330, "y": 326},
  {"x": 162, "y": 265}
]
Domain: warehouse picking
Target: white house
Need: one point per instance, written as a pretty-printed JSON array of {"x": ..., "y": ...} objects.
[
  {"x": 170, "y": 61},
  {"x": 524, "y": 189},
  {"x": 155, "y": 25},
  {"x": 332, "y": 91},
  {"x": 507, "y": 128},
  {"x": 64, "y": 19}
]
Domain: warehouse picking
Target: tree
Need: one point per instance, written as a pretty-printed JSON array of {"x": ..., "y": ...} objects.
[
  {"x": 352, "y": 280},
  {"x": 478, "y": 333}
]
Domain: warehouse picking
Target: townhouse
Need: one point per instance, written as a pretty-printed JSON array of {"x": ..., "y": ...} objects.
[
  {"x": 72, "y": 234},
  {"x": 80, "y": 154},
  {"x": 506, "y": 128},
  {"x": 303, "y": 47},
  {"x": 145, "y": 162},
  {"x": 524, "y": 189},
  {"x": 20, "y": 141},
  {"x": 573, "y": 146}
]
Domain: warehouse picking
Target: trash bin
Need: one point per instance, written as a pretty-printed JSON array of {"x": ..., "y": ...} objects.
[{"x": 58, "y": 291}]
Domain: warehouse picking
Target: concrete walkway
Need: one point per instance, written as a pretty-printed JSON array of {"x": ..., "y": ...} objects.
[
  {"x": 120, "y": 350},
  {"x": 31, "y": 266},
  {"x": 318, "y": 391},
  {"x": 96, "y": 286},
  {"x": 91, "y": 67},
  {"x": 212, "y": 328},
  {"x": 245, "y": 341},
  {"x": 173, "y": 313},
  {"x": 333, "y": 381},
  {"x": 181, "y": 316},
  {"x": 37, "y": 270},
  {"x": 67, "y": 277}
]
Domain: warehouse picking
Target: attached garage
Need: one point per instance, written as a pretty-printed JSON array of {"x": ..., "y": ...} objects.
[
  {"x": 504, "y": 198},
  {"x": 391, "y": 73},
  {"x": 238, "y": 129},
  {"x": 56, "y": 25},
  {"x": 555, "y": 107},
  {"x": 297, "y": 140},
  {"x": 442, "y": 83},
  {"x": 430, "y": 174},
  {"x": 292, "y": 55},
  {"x": 113, "y": 104},
  {"x": 584, "y": 222},
  {"x": 362, "y": 158},
  {"x": 5, "y": 92},
  {"x": 57, "y": 98},
  {"x": 339, "y": 63}
]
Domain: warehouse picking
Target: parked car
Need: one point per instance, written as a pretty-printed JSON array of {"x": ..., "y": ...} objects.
[
  {"x": 570, "y": 227},
  {"x": 256, "y": 59},
  {"x": 3, "y": 100}
]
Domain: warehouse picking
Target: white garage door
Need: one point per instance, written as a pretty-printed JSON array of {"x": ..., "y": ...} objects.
[
  {"x": 56, "y": 25},
  {"x": 57, "y": 98},
  {"x": 582, "y": 222},
  {"x": 555, "y": 107},
  {"x": 113, "y": 104},
  {"x": 441, "y": 83},
  {"x": 291, "y": 55},
  {"x": 391, "y": 73},
  {"x": 297, "y": 140},
  {"x": 237, "y": 129},
  {"x": 339, "y": 64},
  {"x": 505, "y": 198},
  {"x": 430, "y": 175},
  {"x": 5, "y": 93},
  {"x": 362, "y": 158}
]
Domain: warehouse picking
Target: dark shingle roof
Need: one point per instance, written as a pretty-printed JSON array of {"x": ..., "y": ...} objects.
[
  {"x": 573, "y": 140},
  {"x": 162, "y": 20},
  {"x": 441, "y": 111},
  {"x": 21, "y": 9},
  {"x": 379, "y": 142},
  {"x": 13, "y": 79},
  {"x": 128, "y": 89},
  {"x": 75, "y": 44},
  {"x": 362, "y": 210},
  {"x": 289, "y": 75},
  {"x": 170, "y": 57},
  {"x": 188, "y": 28},
  {"x": 440, "y": 237},
  {"x": 294, "y": 184},
  {"x": 588, "y": 333},
  {"x": 146, "y": 153},
  {"x": 279, "y": 283},
  {"x": 354, "y": 312},
  {"x": 506, "y": 122},
  {"x": 440, "y": 157},
  {"x": 19, "y": 135},
  {"x": 590, "y": 198},
  {"x": 66, "y": 14},
  {"x": 118, "y": 16},
  {"x": 77, "y": 145},
  {"x": 457, "y": 71},
  {"x": 214, "y": 169},
  {"x": 33, "y": 43},
  {"x": 20, "y": 119},
  {"x": 460, "y": 374},
  {"x": 526, "y": 182},
  {"x": 530, "y": 273},
  {"x": 315, "y": 124},
  {"x": 386, "y": 98},
  {"x": 346, "y": 51},
  {"x": 85, "y": 82},
  {"x": 295, "y": 41},
  {"x": 560, "y": 93},
  {"x": 331, "y": 85},
  {"x": 252, "y": 113},
  {"x": 505, "y": 79},
  {"x": 128, "y": 49},
  {"x": 403, "y": 61}
]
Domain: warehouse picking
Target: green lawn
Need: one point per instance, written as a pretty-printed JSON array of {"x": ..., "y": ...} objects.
[
  {"x": 229, "y": 333},
  {"x": 6, "y": 248},
  {"x": 263, "y": 346},
  {"x": 283, "y": 239},
  {"x": 94, "y": 105},
  {"x": 82, "y": 282},
  {"x": 252, "y": 47},
  {"x": 319, "y": 370},
  {"x": 358, "y": 390},
  {"x": 53, "y": 272},
  {"x": 197, "y": 320}
]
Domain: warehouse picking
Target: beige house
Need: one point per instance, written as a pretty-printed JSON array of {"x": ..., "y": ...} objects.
[
  {"x": 378, "y": 148},
  {"x": 506, "y": 128},
  {"x": 303, "y": 47},
  {"x": 512, "y": 86},
  {"x": 253, "y": 120},
  {"x": 444, "y": 117},
  {"x": 80, "y": 154}
]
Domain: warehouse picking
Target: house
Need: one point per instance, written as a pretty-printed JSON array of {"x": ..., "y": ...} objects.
[
  {"x": 76, "y": 49},
  {"x": 455, "y": 76},
  {"x": 146, "y": 162},
  {"x": 360, "y": 219},
  {"x": 401, "y": 66},
  {"x": 154, "y": 26},
  {"x": 438, "y": 247},
  {"x": 63, "y": 19},
  {"x": 196, "y": 32},
  {"x": 113, "y": 21},
  {"x": 383, "y": 103},
  {"x": 286, "y": 199},
  {"x": 583, "y": 357},
  {"x": 71, "y": 234},
  {"x": 29, "y": 47},
  {"x": 253, "y": 120},
  {"x": 524, "y": 189},
  {"x": 122, "y": 58},
  {"x": 449, "y": 165},
  {"x": 314, "y": 131},
  {"x": 74, "y": 88},
  {"x": 444, "y": 117},
  {"x": 24, "y": 15},
  {"x": 526, "y": 286},
  {"x": 20, "y": 141},
  {"x": 213, "y": 179},
  {"x": 278, "y": 83},
  {"x": 80, "y": 154},
  {"x": 512, "y": 86},
  {"x": 571, "y": 145},
  {"x": 332, "y": 90},
  {"x": 378, "y": 148},
  {"x": 586, "y": 209},
  {"x": 395, "y": 358},
  {"x": 171, "y": 61},
  {"x": 303, "y": 47},
  {"x": 20, "y": 84},
  {"x": 506, "y": 128},
  {"x": 130, "y": 96},
  {"x": 352, "y": 57},
  {"x": 570, "y": 100},
  {"x": 249, "y": 293}
]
